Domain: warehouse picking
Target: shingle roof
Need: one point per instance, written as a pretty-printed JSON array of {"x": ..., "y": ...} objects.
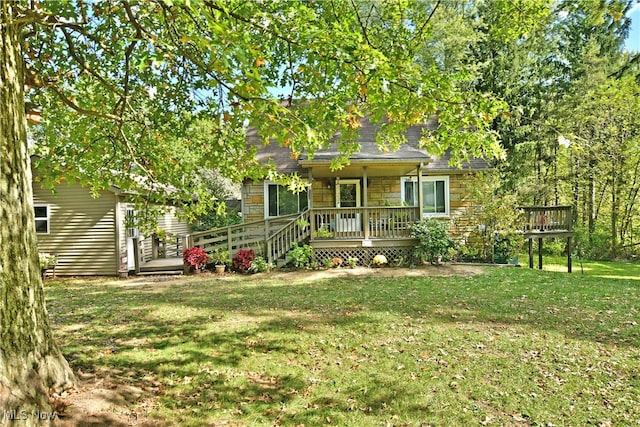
[{"x": 286, "y": 163}]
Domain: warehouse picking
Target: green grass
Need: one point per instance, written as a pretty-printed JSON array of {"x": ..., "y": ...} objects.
[
  {"x": 603, "y": 269},
  {"x": 508, "y": 347}
]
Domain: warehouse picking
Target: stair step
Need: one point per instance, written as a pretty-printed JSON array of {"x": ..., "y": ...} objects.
[{"x": 161, "y": 273}]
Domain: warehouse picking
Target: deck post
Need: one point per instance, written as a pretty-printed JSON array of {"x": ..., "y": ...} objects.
[
  {"x": 569, "y": 254},
  {"x": 530, "y": 252},
  {"x": 136, "y": 255},
  {"x": 539, "y": 253},
  {"x": 154, "y": 246}
]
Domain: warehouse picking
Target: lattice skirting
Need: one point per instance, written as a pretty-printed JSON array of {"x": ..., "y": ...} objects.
[{"x": 395, "y": 255}]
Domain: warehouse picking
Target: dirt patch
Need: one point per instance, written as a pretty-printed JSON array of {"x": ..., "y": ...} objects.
[{"x": 103, "y": 402}]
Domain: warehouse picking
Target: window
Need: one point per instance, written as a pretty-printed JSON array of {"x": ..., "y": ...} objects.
[
  {"x": 435, "y": 194},
  {"x": 42, "y": 218},
  {"x": 130, "y": 220},
  {"x": 280, "y": 201}
]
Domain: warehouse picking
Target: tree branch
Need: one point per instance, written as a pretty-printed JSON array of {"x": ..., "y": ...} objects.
[
  {"x": 83, "y": 63},
  {"x": 69, "y": 103},
  {"x": 362, "y": 25},
  {"x": 424, "y": 25}
]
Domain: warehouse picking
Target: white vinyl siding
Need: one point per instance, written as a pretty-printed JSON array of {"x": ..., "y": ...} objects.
[{"x": 82, "y": 231}]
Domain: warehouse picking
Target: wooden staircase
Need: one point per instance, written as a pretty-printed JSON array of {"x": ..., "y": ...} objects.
[{"x": 271, "y": 238}]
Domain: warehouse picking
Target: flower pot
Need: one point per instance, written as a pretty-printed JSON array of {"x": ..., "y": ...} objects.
[{"x": 220, "y": 269}]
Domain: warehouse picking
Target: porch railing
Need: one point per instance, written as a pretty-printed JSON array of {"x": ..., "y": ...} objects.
[
  {"x": 546, "y": 218},
  {"x": 362, "y": 223}
]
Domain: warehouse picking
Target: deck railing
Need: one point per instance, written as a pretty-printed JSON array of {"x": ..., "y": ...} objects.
[
  {"x": 248, "y": 235},
  {"x": 546, "y": 218},
  {"x": 362, "y": 223}
]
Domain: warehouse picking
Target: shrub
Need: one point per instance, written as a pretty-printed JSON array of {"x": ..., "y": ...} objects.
[
  {"x": 243, "y": 259},
  {"x": 352, "y": 261},
  {"x": 259, "y": 265},
  {"x": 434, "y": 242},
  {"x": 322, "y": 233},
  {"x": 506, "y": 246},
  {"x": 300, "y": 256},
  {"x": 195, "y": 257}
]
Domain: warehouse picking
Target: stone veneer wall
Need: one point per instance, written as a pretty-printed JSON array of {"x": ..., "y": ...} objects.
[
  {"x": 382, "y": 191},
  {"x": 252, "y": 201}
]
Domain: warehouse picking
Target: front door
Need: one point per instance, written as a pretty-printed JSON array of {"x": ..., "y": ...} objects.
[
  {"x": 348, "y": 196},
  {"x": 132, "y": 233},
  {"x": 348, "y": 193}
]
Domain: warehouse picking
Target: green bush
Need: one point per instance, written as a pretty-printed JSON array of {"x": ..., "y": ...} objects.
[
  {"x": 506, "y": 245},
  {"x": 555, "y": 246},
  {"x": 434, "y": 242},
  {"x": 300, "y": 256},
  {"x": 259, "y": 265}
]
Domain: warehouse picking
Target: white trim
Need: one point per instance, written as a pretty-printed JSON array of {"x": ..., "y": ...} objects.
[
  {"x": 46, "y": 218},
  {"x": 348, "y": 181},
  {"x": 428, "y": 179},
  {"x": 266, "y": 198}
]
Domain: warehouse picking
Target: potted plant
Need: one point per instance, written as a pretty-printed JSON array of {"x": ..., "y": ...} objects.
[
  {"x": 196, "y": 258},
  {"x": 47, "y": 261},
  {"x": 220, "y": 258}
]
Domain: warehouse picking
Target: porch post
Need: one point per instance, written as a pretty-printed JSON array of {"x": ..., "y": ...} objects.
[
  {"x": 365, "y": 196},
  {"x": 420, "y": 195},
  {"x": 312, "y": 221}
]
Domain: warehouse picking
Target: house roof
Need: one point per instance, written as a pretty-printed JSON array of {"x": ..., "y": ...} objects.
[{"x": 407, "y": 153}]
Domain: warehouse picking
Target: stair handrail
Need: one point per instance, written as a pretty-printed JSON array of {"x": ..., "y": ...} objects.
[
  {"x": 226, "y": 238},
  {"x": 298, "y": 229}
]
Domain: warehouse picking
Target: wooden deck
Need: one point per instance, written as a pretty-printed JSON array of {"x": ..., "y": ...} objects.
[
  {"x": 542, "y": 222},
  {"x": 171, "y": 265}
]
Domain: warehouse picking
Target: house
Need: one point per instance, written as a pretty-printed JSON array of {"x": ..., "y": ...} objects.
[
  {"x": 365, "y": 208},
  {"x": 89, "y": 235}
]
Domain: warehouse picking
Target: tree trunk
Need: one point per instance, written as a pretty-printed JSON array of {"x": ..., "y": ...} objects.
[
  {"x": 591, "y": 200},
  {"x": 614, "y": 212},
  {"x": 30, "y": 362}
]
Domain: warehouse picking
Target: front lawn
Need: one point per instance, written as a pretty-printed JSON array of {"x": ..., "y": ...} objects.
[{"x": 511, "y": 346}]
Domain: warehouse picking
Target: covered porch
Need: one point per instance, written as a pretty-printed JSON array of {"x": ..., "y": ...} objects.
[
  {"x": 361, "y": 210},
  {"x": 362, "y": 223}
]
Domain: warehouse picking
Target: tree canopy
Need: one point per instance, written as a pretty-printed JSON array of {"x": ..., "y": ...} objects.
[{"x": 126, "y": 86}]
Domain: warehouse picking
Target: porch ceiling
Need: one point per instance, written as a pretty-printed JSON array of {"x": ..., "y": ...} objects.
[{"x": 355, "y": 169}]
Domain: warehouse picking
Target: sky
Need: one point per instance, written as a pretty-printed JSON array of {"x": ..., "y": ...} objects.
[{"x": 633, "y": 41}]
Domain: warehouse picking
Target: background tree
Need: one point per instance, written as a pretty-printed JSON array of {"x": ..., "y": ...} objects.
[{"x": 120, "y": 84}]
